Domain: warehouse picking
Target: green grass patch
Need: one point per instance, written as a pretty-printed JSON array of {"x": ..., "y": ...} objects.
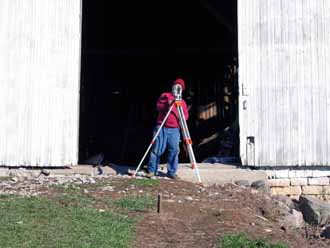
[
  {"x": 242, "y": 241},
  {"x": 37, "y": 222},
  {"x": 136, "y": 203},
  {"x": 145, "y": 182},
  {"x": 5, "y": 179},
  {"x": 72, "y": 195}
]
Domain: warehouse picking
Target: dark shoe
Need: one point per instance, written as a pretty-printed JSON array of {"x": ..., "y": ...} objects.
[{"x": 175, "y": 177}]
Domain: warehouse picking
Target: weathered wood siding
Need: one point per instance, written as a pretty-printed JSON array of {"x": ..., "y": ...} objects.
[
  {"x": 39, "y": 79},
  {"x": 284, "y": 57}
]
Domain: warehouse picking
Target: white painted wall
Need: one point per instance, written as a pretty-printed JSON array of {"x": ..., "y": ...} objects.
[
  {"x": 284, "y": 59},
  {"x": 39, "y": 78}
]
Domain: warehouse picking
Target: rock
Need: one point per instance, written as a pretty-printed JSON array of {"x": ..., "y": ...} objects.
[
  {"x": 326, "y": 233},
  {"x": 189, "y": 198},
  {"x": 61, "y": 180},
  {"x": 293, "y": 219},
  {"x": 244, "y": 183},
  {"x": 108, "y": 188},
  {"x": 4, "y": 172},
  {"x": 14, "y": 179},
  {"x": 84, "y": 180},
  {"x": 91, "y": 180},
  {"x": 285, "y": 200},
  {"x": 261, "y": 185},
  {"x": 315, "y": 211},
  {"x": 45, "y": 172}
]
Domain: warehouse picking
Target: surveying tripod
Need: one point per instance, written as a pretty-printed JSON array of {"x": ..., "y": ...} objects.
[{"x": 177, "y": 93}]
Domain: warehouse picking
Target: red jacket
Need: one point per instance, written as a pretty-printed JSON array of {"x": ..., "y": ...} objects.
[{"x": 163, "y": 107}]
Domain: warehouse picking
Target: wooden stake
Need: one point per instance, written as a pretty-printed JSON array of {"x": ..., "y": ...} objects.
[{"x": 159, "y": 205}]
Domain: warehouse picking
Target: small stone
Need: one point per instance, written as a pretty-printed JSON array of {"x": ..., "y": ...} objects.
[
  {"x": 179, "y": 201},
  {"x": 189, "y": 198},
  {"x": 140, "y": 191},
  {"x": 244, "y": 183},
  {"x": 108, "y": 188},
  {"x": 261, "y": 185},
  {"x": 45, "y": 172},
  {"x": 268, "y": 230},
  {"x": 202, "y": 190},
  {"x": 14, "y": 179},
  {"x": 92, "y": 181},
  {"x": 86, "y": 191}
]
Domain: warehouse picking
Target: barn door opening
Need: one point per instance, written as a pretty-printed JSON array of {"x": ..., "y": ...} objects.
[{"x": 132, "y": 51}]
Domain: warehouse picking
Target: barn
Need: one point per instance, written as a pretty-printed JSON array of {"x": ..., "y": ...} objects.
[{"x": 81, "y": 77}]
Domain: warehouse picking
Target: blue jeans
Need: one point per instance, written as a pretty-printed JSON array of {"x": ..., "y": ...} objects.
[{"x": 168, "y": 138}]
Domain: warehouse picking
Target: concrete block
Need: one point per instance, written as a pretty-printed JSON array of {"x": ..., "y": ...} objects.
[
  {"x": 318, "y": 181},
  {"x": 304, "y": 173},
  {"x": 279, "y": 182},
  {"x": 271, "y": 174},
  {"x": 298, "y": 181},
  {"x": 326, "y": 190},
  {"x": 321, "y": 173},
  {"x": 312, "y": 190},
  {"x": 282, "y": 174},
  {"x": 291, "y": 190},
  {"x": 326, "y": 198},
  {"x": 292, "y": 174}
]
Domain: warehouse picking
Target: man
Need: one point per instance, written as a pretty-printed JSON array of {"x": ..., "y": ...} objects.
[{"x": 169, "y": 136}]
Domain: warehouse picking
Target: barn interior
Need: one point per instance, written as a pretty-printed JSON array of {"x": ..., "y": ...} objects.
[{"x": 131, "y": 53}]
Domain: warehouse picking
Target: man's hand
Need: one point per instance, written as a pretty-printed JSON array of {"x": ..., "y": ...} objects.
[{"x": 170, "y": 102}]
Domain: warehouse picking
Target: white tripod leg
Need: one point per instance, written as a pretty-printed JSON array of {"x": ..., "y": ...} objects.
[
  {"x": 187, "y": 139},
  {"x": 153, "y": 140}
]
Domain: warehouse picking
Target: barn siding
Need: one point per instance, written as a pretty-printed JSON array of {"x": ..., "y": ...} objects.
[
  {"x": 284, "y": 79},
  {"x": 39, "y": 78}
]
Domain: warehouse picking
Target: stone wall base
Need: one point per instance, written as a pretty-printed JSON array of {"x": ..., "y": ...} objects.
[{"x": 294, "y": 183}]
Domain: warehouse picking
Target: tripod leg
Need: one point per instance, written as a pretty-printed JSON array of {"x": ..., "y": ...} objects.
[
  {"x": 188, "y": 141},
  {"x": 153, "y": 140}
]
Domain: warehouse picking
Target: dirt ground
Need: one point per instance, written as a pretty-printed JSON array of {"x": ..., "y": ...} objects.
[{"x": 190, "y": 215}]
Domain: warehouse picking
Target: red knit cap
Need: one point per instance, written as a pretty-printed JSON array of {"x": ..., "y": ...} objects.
[{"x": 181, "y": 82}]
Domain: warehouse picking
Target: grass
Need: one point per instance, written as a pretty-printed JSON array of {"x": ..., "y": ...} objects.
[
  {"x": 38, "y": 222},
  {"x": 71, "y": 218},
  {"x": 5, "y": 179},
  {"x": 242, "y": 241},
  {"x": 136, "y": 203},
  {"x": 71, "y": 195},
  {"x": 145, "y": 182}
]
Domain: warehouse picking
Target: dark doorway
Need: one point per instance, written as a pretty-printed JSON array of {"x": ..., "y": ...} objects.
[{"x": 133, "y": 50}]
